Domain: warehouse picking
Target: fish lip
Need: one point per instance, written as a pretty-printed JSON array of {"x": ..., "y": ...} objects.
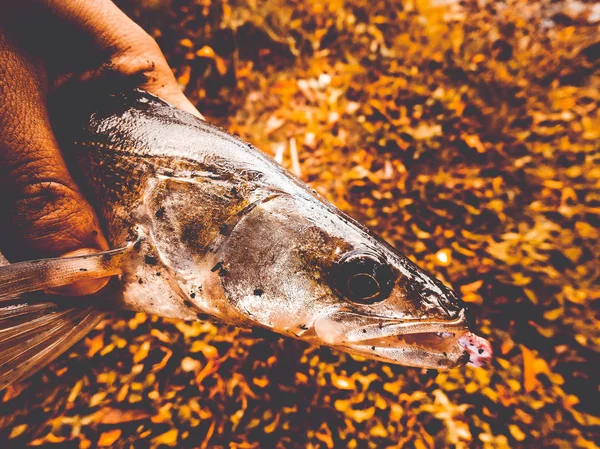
[
  {"x": 398, "y": 341},
  {"x": 457, "y": 326}
]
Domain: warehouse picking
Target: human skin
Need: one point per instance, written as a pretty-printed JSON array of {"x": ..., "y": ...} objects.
[{"x": 46, "y": 47}]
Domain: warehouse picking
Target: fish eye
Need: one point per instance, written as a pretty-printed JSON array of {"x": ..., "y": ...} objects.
[{"x": 363, "y": 277}]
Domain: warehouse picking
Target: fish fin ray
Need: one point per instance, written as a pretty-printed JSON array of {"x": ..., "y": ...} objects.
[
  {"x": 44, "y": 274},
  {"x": 34, "y": 334}
]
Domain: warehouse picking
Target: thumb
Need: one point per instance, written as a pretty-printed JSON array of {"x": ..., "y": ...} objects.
[{"x": 42, "y": 211}]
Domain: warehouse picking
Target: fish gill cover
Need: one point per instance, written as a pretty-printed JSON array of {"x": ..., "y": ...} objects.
[{"x": 465, "y": 133}]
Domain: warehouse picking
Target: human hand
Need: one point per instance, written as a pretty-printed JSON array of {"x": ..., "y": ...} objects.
[{"x": 46, "y": 45}]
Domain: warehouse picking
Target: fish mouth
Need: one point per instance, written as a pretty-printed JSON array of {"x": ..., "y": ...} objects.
[
  {"x": 438, "y": 341},
  {"x": 428, "y": 344}
]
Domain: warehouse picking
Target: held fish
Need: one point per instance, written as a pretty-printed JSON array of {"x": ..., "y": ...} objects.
[{"x": 207, "y": 225}]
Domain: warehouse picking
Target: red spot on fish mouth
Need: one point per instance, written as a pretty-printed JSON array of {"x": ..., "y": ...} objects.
[{"x": 479, "y": 349}]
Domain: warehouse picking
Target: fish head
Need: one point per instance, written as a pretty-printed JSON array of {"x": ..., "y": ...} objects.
[{"x": 300, "y": 267}]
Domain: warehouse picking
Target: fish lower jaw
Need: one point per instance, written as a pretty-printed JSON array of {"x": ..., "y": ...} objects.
[
  {"x": 428, "y": 349},
  {"x": 441, "y": 342}
]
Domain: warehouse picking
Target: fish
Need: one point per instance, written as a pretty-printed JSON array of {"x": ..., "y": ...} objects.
[{"x": 203, "y": 225}]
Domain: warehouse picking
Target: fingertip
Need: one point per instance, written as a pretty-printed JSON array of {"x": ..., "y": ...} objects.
[
  {"x": 81, "y": 288},
  {"x": 186, "y": 105},
  {"x": 171, "y": 93}
]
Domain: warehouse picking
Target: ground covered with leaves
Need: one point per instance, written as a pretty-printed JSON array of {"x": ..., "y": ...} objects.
[{"x": 467, "y": 134}]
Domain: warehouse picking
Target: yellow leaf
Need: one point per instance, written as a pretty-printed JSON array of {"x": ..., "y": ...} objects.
[
  {"x": 343, "y": 383},
  {"x": 142, "y": 352},
  {"x": 472, "y": 287},
  {"x": 17, "y": 430},
  {"x": 516, "y": 432},
  {"x": 75, "y": 391},
  {"x": 552, "y": 315},
  {"x": 206, "y": 52},
  {"x": 189, "y": 364},
  {"x": 169, "y": 438},
  {"x": 378, "y": 431},
  {"x": 473, "y": 141},
  {"x": 50, "y": 438}
]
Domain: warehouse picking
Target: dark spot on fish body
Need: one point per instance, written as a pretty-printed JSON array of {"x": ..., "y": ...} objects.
[
  {"x": 220, "y": 268},
  {"x": 188, "y": 304},
  {"x": 149, "y": 259},
  {"x": 137, "y": 245},
  {"x": 140, "y": 281},
  {"x": 304, "y": 327},
  {"x": 235, "y": 193},
  {"x": 373, "y": 348},
  {"x": 192, "y": 233},
  {"x": 94, "y": 233},
  {"x": 192, "y": 295},
  {"x": 258, "y": 292},
  {"x": 83, "y": 269},
  {"x": 223, "y": 229},
  {"x": 160, "y": 213},
  {"x": 158, "y": 273},
  {"x": 202, "y": 316},
  {"x": 106, "y": 257}
]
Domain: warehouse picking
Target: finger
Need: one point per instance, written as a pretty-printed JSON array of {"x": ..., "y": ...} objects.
[
  {"x": 43, "y": 213},
  {"x": 133, "y": 54},
  {"x": 148, "y": 64}
]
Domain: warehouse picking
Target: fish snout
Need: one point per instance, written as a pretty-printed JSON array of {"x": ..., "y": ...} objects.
[{"x": 478, "y": 348}]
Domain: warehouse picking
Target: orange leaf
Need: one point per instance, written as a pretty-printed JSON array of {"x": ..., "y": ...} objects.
[
  {"x": 507, "y": 345},
  {"x": 94, "y": 344},
  {"x": 50, "y": 438},
  {"x": 206, "y": 52},
  {"x": 529, "y": 377},
  {"x": 117, "y": 416},
  {"x": 108, "y": 438}
]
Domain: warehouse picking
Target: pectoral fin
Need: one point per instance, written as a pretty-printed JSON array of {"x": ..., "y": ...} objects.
[
  {"x": 35, "y": 328},
  {"x": 32, "y": 334},
  {"x": 47, "y": 274}
]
